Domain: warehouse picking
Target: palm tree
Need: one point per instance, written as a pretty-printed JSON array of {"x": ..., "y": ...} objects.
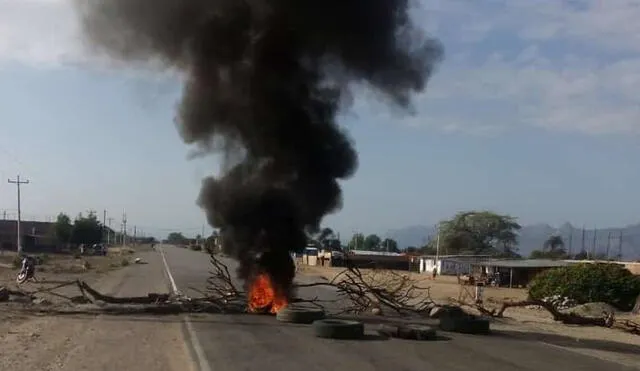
[
  {"x": 553, "y": 243},
  {"x": 553, "y": 248}
]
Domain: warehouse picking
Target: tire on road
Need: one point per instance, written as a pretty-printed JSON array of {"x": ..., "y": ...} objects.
[
  {"x": 338, "y": 329},
  {"x": 294, "y": 314},
  {"x": 465, "y": 325},
  {"x": 408, "y": 331}
]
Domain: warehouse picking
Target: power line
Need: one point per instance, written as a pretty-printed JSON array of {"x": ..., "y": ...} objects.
[{"x": 18, "y": 183}]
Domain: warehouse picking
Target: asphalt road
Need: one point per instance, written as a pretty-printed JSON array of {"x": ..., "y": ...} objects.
[{"x": 256, "y": 342}]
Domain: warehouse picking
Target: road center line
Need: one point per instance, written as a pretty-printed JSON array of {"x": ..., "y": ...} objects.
[{"x": 201, "y": 359}]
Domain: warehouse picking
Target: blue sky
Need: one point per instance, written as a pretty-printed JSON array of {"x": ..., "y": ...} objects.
[{"x": 534, "y": 112}]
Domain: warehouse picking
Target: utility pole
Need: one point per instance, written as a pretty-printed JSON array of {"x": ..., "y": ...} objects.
[
  {"x": 135, "y": 234},
  {"x": 438, "y": 246},
  {"x": 18, "y": 182},
  {"x": 104, "y": 220},
  {"x": 595, "y": 237},
  {"x": 109, "y": 220},
  {"x": 608, "y": 244},
  {"x": 620, "y": 246},
  {"x": 124, "y": 228},
  {"x": 570, "y": 242},
  {"x": 583, "y": 241}
]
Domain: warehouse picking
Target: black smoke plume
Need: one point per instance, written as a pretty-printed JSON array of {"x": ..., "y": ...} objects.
[{"x": 265, "y": 80}]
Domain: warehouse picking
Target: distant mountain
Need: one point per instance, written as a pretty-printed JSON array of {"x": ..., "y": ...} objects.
[{"x": 532, "y": 237}]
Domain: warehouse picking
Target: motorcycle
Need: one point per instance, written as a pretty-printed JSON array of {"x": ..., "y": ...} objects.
[{"x": 27, "y": 271}]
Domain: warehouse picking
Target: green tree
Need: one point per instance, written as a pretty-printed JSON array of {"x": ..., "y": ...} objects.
[
  {"x": 553, "y": 248},
  {"x": 479, "y": 232},
  {"x": 389, "y": 245},
  {"x": 62, "y": 229},
  {"x": 589, "y": 282},
  {"x": 86, "y": 230},
  {"x": 176, "y": 238},
  {"x": 356, "y": 242},
  {"x": 549, "y": 254},
  {"x": 372, "y": 243}
]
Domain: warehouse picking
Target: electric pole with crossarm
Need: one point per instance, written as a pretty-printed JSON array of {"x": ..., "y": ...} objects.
[{"x": 18, "y": 183}]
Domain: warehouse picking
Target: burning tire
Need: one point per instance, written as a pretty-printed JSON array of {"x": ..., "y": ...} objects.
[
  {"x": 465, "y": 325},
  {"x": 299, "y": 315},
  {"x": 409, "y": 331},
  {"x": 338, "y": 329}
]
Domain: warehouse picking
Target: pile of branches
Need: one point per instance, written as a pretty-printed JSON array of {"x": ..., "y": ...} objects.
[
  {"x": 378, "y": 290},
  {"x": 91, "y": 301},
  {"x": 357, "y": 291}
]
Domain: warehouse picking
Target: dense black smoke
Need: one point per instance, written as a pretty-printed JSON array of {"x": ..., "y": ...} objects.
[{"x": 264, "y": 82}]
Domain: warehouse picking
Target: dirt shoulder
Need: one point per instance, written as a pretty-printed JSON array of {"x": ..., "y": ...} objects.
[
  {"x": 527, "y": 323},
  {"x": 85, "y": 342}
]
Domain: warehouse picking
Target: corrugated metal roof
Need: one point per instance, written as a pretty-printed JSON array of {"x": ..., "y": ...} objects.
[
  {"x": 367, "y": 252},
  {"x": 525, "y": 263}
]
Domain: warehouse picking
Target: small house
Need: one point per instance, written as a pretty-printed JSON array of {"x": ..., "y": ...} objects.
[
  {"x": 515, "y": 273},
  {"x": 379, "y": 260}
]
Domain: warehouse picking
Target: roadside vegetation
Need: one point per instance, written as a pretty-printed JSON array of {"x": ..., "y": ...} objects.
[{"x": 587, "y": 283}]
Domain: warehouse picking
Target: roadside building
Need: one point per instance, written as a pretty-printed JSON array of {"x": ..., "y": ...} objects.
[
  {"x": 379, "y": 259},
  {"x": 515, "y": 273},
  {"x": 36, "y": 236},
  {"x": 449, "y": 265}
]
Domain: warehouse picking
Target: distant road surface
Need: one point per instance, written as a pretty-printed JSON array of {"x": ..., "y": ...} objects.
[{"x": 254, "y": 342}]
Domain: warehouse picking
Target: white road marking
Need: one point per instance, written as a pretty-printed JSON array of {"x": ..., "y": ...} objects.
[
  {"x": 201, "y": 359},
  {"x": 174, "y": 287}
]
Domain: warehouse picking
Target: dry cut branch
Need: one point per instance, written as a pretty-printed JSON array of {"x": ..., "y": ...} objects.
[
  {"x": 607, "y": 319},
  {"x": 381, "y": 289},
  {"x": 219, "y": 283}
]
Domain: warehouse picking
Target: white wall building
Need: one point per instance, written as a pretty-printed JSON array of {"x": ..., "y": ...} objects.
[{"x": 449, "y": 264}]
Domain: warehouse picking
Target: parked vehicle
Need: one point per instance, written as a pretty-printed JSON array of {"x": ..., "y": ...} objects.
[{"x": 99, "y": 249}]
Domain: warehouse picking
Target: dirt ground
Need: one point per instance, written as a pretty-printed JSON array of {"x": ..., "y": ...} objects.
[
  {"x": 89, "y": 342},
  {"x": 617, "y": 346}
]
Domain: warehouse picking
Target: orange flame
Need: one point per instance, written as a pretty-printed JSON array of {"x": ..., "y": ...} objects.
[{"x": 262, "y": 296}]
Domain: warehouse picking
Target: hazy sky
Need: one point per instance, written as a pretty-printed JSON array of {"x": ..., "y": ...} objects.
[{"x": 535, "y": 112}]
